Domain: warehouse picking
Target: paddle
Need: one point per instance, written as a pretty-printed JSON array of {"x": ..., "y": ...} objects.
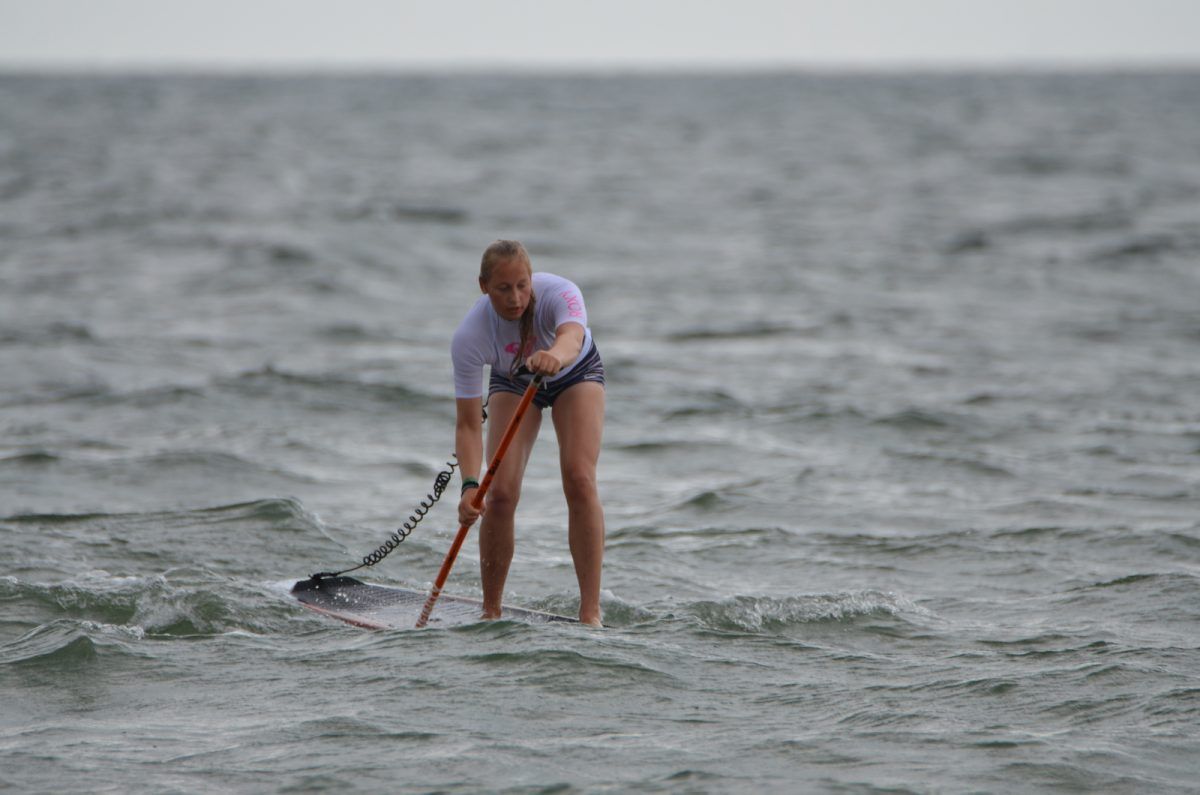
[{"x": 477, "y": 502}]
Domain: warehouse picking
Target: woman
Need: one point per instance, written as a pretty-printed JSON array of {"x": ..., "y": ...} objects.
[{"x": 538, "y": 320}]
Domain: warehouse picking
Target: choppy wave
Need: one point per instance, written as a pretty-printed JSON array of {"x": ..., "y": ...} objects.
[
  {"x": 279, "y": 511},
  {"x": 60, "y": 646},
  {"x": 405, "y": 212},
  {"x": 324, "y": 390},
  {"x": 33, "y": 458},
  {"x": 76, "y": 621},
  {"x": 50, "y": 334},
  {"x": 1142, "y": 248},
  {"x": 773, "y": 615},
  {"x": 750, "y": 331}
]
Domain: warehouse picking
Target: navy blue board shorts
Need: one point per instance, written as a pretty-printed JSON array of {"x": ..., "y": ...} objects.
[{"x": 590, "y": 368}]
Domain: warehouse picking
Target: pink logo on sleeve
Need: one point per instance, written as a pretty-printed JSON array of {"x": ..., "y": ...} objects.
[{"x": 574, "y": 305}]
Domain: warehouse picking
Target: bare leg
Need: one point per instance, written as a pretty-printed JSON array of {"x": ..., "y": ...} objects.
[
  {"x": 578, "y": 416},
  {"x": 496, "y": 526}
]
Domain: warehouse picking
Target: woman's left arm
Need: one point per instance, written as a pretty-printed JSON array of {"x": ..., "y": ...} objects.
[{"x": 568, "y": 342}]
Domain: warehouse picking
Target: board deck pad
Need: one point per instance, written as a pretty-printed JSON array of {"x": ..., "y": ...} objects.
[{"x": 384, "y": 607}]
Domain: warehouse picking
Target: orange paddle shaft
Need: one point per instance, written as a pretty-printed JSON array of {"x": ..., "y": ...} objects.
[{"x": 477, "y": 502}]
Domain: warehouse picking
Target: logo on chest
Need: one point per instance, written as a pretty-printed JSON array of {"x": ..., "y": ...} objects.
[{"x": 511, "y": 348}]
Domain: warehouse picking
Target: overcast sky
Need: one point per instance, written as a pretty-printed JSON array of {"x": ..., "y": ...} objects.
[{"x": 285, "y": 34}]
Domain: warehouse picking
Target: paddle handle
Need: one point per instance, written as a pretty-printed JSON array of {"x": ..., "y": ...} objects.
[{"x": 477, "y": 501}]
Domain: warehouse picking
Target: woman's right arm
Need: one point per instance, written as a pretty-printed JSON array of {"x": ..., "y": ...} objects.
[{"x": 468, "y": 445}]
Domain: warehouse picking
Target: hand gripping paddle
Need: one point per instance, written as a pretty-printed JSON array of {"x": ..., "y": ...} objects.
[{"x": 477, "y": 502}]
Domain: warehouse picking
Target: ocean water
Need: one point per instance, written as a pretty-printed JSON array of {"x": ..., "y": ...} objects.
[{"x": 902, "y": 456}]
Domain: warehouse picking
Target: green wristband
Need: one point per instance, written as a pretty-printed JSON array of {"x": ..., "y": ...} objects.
[{"x": 469, "y": 483}]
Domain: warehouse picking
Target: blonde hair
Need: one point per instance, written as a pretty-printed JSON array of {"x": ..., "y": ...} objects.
[{"x": 507, "y": 251}]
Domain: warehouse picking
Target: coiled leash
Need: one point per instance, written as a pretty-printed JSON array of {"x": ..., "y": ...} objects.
[{"x": 423, "y": 507}]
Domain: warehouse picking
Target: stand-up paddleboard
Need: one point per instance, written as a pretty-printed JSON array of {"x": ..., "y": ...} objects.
[{"x": 383, "y": 607}]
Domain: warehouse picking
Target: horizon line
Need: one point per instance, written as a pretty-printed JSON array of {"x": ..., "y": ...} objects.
[{"x": 142, "y": 67}]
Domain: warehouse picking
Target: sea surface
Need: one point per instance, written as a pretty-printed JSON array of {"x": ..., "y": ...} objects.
[{"x": 901, "y": 466}]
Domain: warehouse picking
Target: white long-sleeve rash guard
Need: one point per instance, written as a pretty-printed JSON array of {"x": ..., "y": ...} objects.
[{"x": 485, "y": 338}]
